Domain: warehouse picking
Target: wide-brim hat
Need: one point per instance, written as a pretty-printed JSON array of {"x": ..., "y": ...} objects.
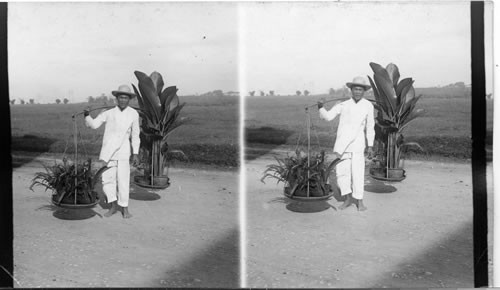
[
  {"x": 359, "y": 82},
  {"x": 123, "y": 90}
]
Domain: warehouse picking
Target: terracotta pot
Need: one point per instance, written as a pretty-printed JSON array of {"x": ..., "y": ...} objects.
[
  {"x": 392, "y": 174},
  {"x": 81, "y": 201},
  {"x": 159, "y": 182},
  {"x": 313, "y": 192}
]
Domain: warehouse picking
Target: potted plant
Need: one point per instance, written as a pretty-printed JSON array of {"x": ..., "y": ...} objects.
[
  {"x": 395, "y": 104},
  {"x": 71, "y": 187},
  {"x": 159, "y": 110},
  {"x": 303, "y": 179}
]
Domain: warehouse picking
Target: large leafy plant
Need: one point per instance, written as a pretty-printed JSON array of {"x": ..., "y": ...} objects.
[
  {"x": 159, "y": 109},
  {"x": 298, "y": 174},
  {"x": 395, "y": 102},
  {"x": 65, "y": 182}
]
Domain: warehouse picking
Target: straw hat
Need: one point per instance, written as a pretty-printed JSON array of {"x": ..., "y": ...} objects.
[
  {"x": 359, "y": 82},
  {"x": 123, "y": 90}
]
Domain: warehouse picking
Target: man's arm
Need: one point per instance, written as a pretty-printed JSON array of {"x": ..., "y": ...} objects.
[
  {"x": 136, "y": 141},
  {"x": 370, "y": 130},
  {"x": 97, "y": 122},
  {"x": 330, "y": 115}
]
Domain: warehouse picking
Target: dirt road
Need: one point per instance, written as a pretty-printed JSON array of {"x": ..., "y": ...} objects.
[
  {"x": 416, "y": 233},
  {"x": 183, "y": 236}
]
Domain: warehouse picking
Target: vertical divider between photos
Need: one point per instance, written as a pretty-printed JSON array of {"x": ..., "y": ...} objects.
[
  {"x": 6, "y": 198},
  {"x": 478, "y": 119}
]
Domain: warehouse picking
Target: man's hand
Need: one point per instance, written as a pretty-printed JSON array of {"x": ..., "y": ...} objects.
[
  {"x": 321, "y": 102},
  {"x": 370, "y": 153},
  {"x": 135, "y": 160},
  {"x": 86, "y": 112},
  {"x": 320, "y": 105}
]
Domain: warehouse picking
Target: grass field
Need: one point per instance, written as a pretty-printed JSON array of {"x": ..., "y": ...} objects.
[
  {"x": 210, "y": 137},
  {"x": 444, "y": 131}
]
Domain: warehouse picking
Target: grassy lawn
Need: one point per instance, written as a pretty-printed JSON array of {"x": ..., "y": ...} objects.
[
  {"x": 444, "y": 131},
  {"x": 210, "y": 137}
]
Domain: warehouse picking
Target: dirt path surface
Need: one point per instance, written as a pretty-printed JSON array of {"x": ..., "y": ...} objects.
[
  {"x": 183, "y": 236},
  {"x": 416, "y": 233}
]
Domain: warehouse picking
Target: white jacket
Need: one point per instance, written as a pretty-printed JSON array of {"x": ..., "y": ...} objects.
[
  {"x": 122, "y": 130},
  {"x": 356, "y": 120}
]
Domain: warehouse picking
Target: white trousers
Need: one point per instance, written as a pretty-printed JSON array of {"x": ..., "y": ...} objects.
[
  {"x": 351, "y": 174},
  {"x": 116, "y": 181}
]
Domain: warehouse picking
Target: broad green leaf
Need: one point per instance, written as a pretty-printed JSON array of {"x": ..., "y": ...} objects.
[
  {"x": 382, "y": 101},
  {"x": 157, "y": 81},
  {"x": 139, "y": 98},
  {"x": 148, "y": 92},
  {"x": 393, "y": 72},
  {"x": 386, "y": 90},
  {"x": 376, "y": 67},
  {"x": 402, "y": 84},
  {"x": 168, "y": 92},
  {"x": 408, "y": 95},
  {"x": 414, "y": 144}
]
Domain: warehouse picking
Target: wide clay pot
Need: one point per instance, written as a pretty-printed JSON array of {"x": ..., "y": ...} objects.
[
  {"x": 313, "y": 192},
  {"x": 390, "y": 174},
  {"x": 159, "y": 182},
  {"x": 81, "y": 201}
]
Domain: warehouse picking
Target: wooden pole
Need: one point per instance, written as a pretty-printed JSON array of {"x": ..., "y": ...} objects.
[
  {"x": 387, "y": 153},
  {"x": 152, "y": 163},
  {"x": 308, "y": 148},
  {"x": 76, "y": 154}
]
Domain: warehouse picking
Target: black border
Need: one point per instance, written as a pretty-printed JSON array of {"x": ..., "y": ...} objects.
[
  {"x": 478, "y": 120},
  {"x": 6, "y": 219}
]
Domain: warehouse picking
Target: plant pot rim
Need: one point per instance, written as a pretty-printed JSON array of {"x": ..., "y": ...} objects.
[
  {"x": 75, "y": 206},
  {"x": 150, "y": 185},
  {"x": 390, "y": 179},
  {"x": 304, "y": 198}
]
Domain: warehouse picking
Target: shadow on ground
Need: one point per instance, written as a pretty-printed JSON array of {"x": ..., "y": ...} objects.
[
  {"x": 377, "y": 186},
  {"x": 215, "y": 266},
  {"x": 140, "y": 193},
  {"x": 447, "y": 263},
  {"x": 70, "y": 214},
  {"x": 35, "y": 145},
  {"x": 266, "y": 138}
]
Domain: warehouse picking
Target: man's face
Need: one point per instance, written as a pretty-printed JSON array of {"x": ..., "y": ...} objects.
[
  {"x": 357, "y": 93},
  {"x": 123, "y": 101}
]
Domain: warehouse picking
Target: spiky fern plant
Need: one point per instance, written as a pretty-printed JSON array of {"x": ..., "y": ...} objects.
[
  {"x": 297, "y": 175},
  {"x": 65, "y": 182}
]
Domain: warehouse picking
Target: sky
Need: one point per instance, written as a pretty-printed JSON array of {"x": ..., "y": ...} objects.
[
  {"x": 317, "y": 46},
  {"x": 86, "y": 49},
  {"x": 76, "y": 50}
]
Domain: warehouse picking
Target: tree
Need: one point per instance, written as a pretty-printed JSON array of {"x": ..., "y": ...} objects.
[
  {"x": 262, "y": 93},
  {"x": 22, "y": 102},
  {"x": 271, "y": 93},
  {"x": 32, "y": 101},
  {"x": 12, "y": 102},
  {"x": 66, "y": 101},
  {"x": 252, "y": 93},
  {"x": 331, "y": 92},
  {"x": 58, "y": 101},
  {"x": 298, "y": 93},
  {"x": 90, "y": 99},
  {"x": 306, "y": 93}
]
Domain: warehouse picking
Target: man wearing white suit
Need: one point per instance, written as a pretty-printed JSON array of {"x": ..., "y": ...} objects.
[
  {"x": 121, "y": 133},
  {"x": 355, "y": 131}
]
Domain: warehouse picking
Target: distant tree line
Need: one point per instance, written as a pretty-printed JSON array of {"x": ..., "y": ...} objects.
[
  {"x": 220, "y": 93},
  {"x": 102, "y": 99},
  {"x": 32, "y": 101}
]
